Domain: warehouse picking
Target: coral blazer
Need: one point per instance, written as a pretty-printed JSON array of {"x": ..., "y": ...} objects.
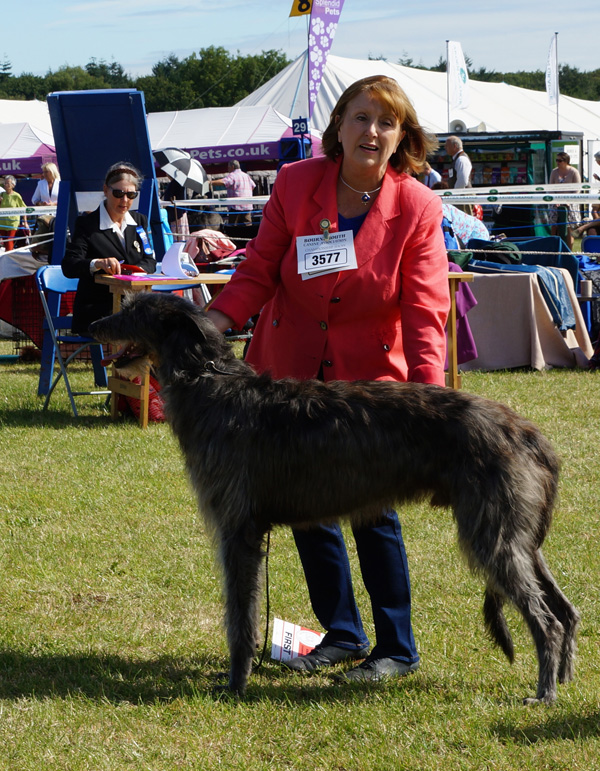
[{"x": 383, "y": 321}]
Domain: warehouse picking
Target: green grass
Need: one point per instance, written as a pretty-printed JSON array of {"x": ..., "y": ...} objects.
[{"x": 111, "y": 638}]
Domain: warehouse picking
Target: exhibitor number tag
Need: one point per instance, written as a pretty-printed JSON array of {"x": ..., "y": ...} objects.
[{"x": 318, "y": 256}]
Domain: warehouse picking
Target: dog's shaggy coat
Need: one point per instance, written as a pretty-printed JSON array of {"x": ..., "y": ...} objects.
[{"x": 263, "y": 452}]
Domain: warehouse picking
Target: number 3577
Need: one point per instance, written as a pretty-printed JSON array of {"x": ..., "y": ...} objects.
[{"x": 327, "y": 258}]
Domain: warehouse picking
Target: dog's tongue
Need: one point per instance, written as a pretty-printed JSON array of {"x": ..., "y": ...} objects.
[{"x": 114, "y": 356}]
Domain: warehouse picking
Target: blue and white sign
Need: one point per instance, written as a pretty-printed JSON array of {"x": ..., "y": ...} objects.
[{"x": 300, "y": 126}]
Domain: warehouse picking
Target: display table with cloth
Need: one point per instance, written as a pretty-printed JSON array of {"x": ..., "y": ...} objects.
[{"x": 513, "y": 327}]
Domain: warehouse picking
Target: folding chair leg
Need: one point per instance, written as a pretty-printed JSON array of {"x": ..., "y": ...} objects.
[
  {"x": 100, "y": 377},
  {"x": 46, "y": 364},
  {"x": 62, "y": 374}
]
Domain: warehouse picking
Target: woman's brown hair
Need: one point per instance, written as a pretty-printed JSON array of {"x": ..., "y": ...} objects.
[
  {"x": 123, "y": 169},
  {"x": 416, "y": 144}
]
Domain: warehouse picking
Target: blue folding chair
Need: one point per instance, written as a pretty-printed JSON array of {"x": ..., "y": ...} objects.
[
  {"x": 590, "y": 244},
  {"x": 52, "y": 284}
]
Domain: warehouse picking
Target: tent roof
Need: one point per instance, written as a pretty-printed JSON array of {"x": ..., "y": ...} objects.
[
  {"x": 498, "y": 106},
  {"x": 23, "y": 148},
  {"x": 32, "y": 111},
  {"x": 218, "y": 134}
]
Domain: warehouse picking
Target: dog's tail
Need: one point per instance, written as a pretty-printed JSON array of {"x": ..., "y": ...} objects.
[{"x": 495, "y": 622}]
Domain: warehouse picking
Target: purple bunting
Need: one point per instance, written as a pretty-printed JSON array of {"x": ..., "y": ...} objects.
[{"x": 324, "y": 19}]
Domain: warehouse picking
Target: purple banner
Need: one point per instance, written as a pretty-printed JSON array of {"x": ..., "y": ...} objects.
[
  {"x": 29, "y": 165},
  {"x": 261, "y": 151},
  {"x": 324, "y": 18}
]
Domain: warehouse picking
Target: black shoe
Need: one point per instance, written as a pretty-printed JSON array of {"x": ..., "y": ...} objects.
[
  {"x": 324, "y": 656},
  {"x": 374, "y": 670}
]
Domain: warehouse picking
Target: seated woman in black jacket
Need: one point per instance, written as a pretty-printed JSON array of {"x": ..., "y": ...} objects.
[{"x": 105, "y": 239}]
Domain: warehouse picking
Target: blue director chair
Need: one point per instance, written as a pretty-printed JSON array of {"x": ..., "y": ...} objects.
[{"x": 52, "y": 285}]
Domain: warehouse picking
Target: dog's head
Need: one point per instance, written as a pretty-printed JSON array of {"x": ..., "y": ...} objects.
[{"x": 162, "y": 330}]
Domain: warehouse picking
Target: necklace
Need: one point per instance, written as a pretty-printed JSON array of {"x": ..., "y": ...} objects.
[{"x": 364, "y": 196}]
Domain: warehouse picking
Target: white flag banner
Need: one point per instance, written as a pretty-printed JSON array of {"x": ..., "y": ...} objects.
[
  {"x": 552, "y": 74},
  {"x": 458, "y": 79}
]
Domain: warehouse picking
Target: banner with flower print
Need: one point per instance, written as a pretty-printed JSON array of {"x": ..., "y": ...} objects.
[{"x": 324, "y": 18}]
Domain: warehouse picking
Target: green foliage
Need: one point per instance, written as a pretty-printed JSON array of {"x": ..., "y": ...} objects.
[
  {"x": 572, "y": 81},
  {"x": 211, "y": 78},
  {"x": 111, "y": 636}
]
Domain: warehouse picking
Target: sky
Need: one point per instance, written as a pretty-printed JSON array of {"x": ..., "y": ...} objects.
[{"x": 504, "y": 36}]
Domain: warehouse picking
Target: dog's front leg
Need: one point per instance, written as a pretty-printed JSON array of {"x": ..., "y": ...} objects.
[{"x": 241, "y": 556}]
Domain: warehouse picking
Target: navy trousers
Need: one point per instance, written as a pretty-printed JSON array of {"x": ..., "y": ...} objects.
[{"x": 384, "y": 570}]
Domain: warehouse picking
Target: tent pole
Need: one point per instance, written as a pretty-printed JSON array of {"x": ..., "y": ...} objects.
[
  {"x": 293, "y": 107},
  {"x": 448, "y": 83},
  {"x": 557, "y": 81}
]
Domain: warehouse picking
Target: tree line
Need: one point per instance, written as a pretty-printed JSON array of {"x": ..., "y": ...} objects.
[
  {"x": 211, "y": 78},
  {"x": 572, "y": 81},
  {"x": 215, "y": 78}
]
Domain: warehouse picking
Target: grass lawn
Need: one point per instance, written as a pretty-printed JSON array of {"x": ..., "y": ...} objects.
[{"x": 111, "y": 638}]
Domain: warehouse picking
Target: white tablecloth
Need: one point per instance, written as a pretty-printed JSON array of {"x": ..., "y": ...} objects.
[{"x": 19, "y": 263}]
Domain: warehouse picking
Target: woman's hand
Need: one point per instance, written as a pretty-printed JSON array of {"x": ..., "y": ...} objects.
[
  {"x": 221, "y": 321},
  {"x": 109, "y": 265}
]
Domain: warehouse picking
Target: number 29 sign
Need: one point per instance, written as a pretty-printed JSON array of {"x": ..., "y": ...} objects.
[{"x": 299, "y": 126}]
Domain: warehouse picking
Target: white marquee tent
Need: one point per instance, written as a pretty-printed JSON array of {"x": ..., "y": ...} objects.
[
  {"x": 494, "y": 107},
  {"x": 31, "y": 111},
  {"x": 219, "y": 134},
  {"x": 24, "y": 148}
]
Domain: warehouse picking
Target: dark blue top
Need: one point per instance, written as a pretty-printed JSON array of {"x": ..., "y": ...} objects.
[{"x": 352, "y": 223}]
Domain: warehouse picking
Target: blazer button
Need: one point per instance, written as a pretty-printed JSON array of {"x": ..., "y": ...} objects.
[
  {"x": 335, "y": 299},
  {"x": 327, "y": 363},
  {"x": 275, "y": 323},
  {"x": 323, "y": 325},
  {"x": 386, "y": 347}
]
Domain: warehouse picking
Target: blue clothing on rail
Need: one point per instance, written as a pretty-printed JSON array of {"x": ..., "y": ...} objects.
[{"x": 552, "y": 285}]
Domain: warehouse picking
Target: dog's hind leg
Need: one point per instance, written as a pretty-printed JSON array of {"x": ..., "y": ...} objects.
[
  {"x": 565, "y": 612},
  {"x": 495, "y": 622},
  {"x": 515, "y": 574},
  {"x": 241, "y": 555}
]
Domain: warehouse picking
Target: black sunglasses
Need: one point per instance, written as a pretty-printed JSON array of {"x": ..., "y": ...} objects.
[{"x": 131, "y": 194}]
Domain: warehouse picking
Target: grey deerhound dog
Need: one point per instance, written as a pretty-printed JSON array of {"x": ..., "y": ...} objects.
[{"x": 263, "y": 452}]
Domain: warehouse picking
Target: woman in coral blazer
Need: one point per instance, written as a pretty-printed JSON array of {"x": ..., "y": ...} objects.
[{"x": 381, "y": 319}]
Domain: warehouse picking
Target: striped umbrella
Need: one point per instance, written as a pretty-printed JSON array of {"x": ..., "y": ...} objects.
[{"x": 184, "y": 169}]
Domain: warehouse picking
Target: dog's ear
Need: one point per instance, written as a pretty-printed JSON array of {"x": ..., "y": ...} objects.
[{"x": 190, "y": 336}]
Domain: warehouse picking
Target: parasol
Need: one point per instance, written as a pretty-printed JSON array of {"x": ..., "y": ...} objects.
[{"x": 184, "y": 169}]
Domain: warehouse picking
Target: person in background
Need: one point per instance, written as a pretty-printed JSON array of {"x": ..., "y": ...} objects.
[
  {"x": 429, "y": 176},
  {"x": 382, "y": 317},
  {"x": 46, "y": 192},
  {"x": 563, "y": 216},
  {"x": 460, "y": 173},
  {"x": 238, "y": 185},
  {"x": 105, "y": 239},
  {"x": 9, "y": 223},
  {"x": 177, "y": 217}
]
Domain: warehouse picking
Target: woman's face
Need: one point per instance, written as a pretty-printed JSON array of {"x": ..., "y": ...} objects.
[
  {"x": 369, "y": 134},
  {"x": 8, "y": 185},
  {"x": 118, "y": 207},
  {"x": 47, "y": 175}
]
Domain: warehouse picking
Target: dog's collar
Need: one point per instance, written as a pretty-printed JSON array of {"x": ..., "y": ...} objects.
[{"x": 210, "y": 366}]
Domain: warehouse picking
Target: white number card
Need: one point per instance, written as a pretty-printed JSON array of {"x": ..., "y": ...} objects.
[{"x": 317, "y": 256}]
